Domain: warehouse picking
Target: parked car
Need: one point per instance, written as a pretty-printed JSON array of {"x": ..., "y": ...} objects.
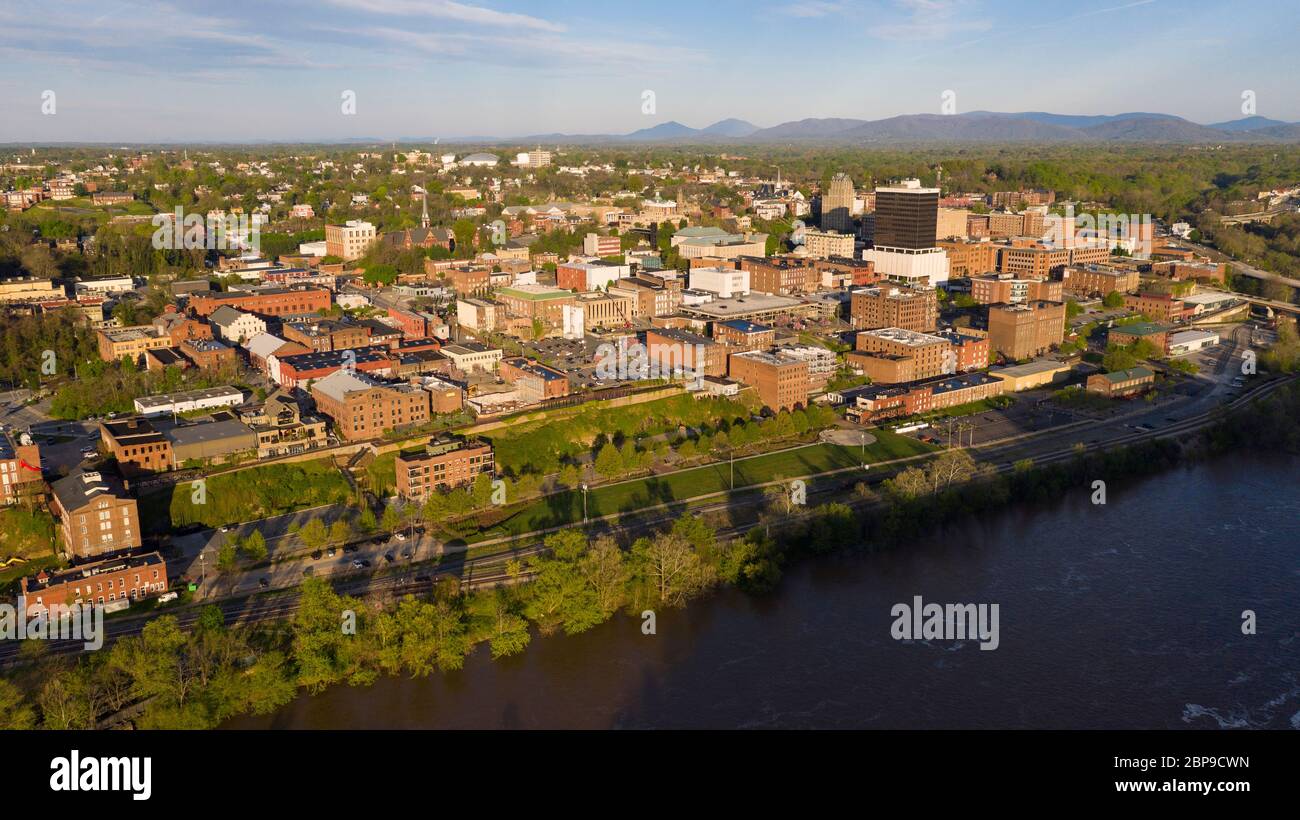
[
  {"x": 332, "y": 552},
  {"x": 263, "y": 583},
  {"x": 401, "y": 536},
  {"x": 357, "y": 564},
  {"x": 388, "y": 556},
  {"x": 315, "y": 556}
]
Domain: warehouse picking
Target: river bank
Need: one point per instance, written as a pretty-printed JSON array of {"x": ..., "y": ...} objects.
[{"x": 1113, "y": 616}]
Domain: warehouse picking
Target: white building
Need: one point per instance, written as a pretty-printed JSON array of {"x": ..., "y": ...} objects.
[
  {"x": 104, "y": 287},
  {"x": 480, "y": 160},
  {"x": 1189, "y": 341},
  {"x": 924, "y": 267},
  {"x": 478, "y": 314},
  {"x": 236, "y": 326},
  {"x": 592, "y": 275},
  {"x": 189, "y": 401},
  {"x": 316, "y": 249},
  {"x": 470, "y": 356},
  {"x": 349, "y": 301},
  {"x": 723, "y": 282}
]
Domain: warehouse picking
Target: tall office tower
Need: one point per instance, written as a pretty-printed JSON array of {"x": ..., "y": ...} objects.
[
  {"x": 907, "y": 215},
  {"x": 837, "y": 205},
  {"x": 906, "y": 229}
]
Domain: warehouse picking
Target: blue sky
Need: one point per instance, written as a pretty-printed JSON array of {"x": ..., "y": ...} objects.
[{"x": 139, "y": 70}]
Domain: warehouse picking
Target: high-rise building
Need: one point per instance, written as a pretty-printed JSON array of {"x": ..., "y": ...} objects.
[
  {"x": 837, "y": 205},
  {"x": 904, "y": 235},
  {"x": 906, "y": 216}
]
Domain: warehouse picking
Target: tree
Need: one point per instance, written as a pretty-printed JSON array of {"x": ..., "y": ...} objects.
[
  {"x": 608, "y": 461},
  {"x": 340, "y": 532},
  {"x": 1118, "y": 357},
  {"x": 227, "y": 554},
  {"x": 15, "y": 711},
  {"x": 910, "y": 483},
  {"x": 366, "y": 520},
  {"x": 392, "y": 518},
  {"x": 314, "y": 534},
  {"x": 509, "y": 631},
  {"x": 949, "y": 467},
  {"x": 561, "y": 596},
  {"x": 254, "y": 547},
  {"x": 670, "y": 567},
  {"x": 605, "y": 573},
  {"x": 1114, "y": 299}
]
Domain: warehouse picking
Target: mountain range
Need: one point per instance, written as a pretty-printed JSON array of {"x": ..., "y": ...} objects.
[{"x": 974, "y": 126}]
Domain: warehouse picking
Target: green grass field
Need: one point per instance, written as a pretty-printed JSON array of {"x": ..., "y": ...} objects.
[{"x": 566, "y": 507}]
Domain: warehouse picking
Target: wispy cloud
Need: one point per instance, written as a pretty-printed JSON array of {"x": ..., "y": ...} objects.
[
  {"x": 813, "y": 8},
  {"x": 448, "y": 10},
  {"x": 927, "y": 20}
]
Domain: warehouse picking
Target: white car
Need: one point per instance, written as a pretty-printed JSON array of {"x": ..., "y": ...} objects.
[{"x": 401, "y": 536}]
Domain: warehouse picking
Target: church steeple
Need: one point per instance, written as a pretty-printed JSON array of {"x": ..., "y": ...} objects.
[{"x": 424, "y": 210}]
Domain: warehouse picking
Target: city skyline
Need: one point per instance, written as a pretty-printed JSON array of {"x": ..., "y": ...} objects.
[{"x": 452, "y": 70}]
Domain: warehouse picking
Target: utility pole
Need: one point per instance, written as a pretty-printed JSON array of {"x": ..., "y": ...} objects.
[{"x": 584, "y": 502}]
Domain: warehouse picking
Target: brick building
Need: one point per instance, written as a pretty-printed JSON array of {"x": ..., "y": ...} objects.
[
  {"x": 536, "y": 381},
  {"x": 1025, "y": 330},
  {"x": 1096, "y": 280},
  {"x": 291, "y": 301},
  {"x": 96, "y": 516},
  {"x": 441, "y": 465},
  {"x": 781, "y": 384},
  {"x": 138, "y": 447},
  {"x": 131, "y": 578},
  {"x": 364, "y": 408},
  {"x": 672, "y": 351},
  {"x": 780, "y": 275},
  {"x": 970, "y": 258},
  {"x": 744, "y": 335},
  {"x": 20, "y": 469},
  {"x": 1122, "y": 383},
  {"x": 896, "y": 306},
  {"x": 993, "y": 288}
]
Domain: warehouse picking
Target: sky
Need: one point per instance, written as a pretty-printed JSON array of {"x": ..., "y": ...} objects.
[{"x": 279, "y": 70}]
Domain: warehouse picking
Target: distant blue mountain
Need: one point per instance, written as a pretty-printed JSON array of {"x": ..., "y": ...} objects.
[
  {"x": 1246, "y": 124},
  {"x": 730, "y": 128}
]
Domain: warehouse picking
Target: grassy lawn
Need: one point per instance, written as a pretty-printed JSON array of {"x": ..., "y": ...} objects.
[
  {"x": 248, "y": 495},
  {"x": 566, "y": 507},
  {"x": 9, "y": 575},
  {"x": 27, "y": 533}
]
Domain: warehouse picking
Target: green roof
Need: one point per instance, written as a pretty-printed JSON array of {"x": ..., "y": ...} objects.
[{"x": 1128, "y": 375}]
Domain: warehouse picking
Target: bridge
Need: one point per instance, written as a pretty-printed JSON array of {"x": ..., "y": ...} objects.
[{"x": 1258, "y": 216}]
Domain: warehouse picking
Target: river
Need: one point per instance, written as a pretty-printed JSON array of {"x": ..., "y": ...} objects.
[{"x": 1127, "y": 615}]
